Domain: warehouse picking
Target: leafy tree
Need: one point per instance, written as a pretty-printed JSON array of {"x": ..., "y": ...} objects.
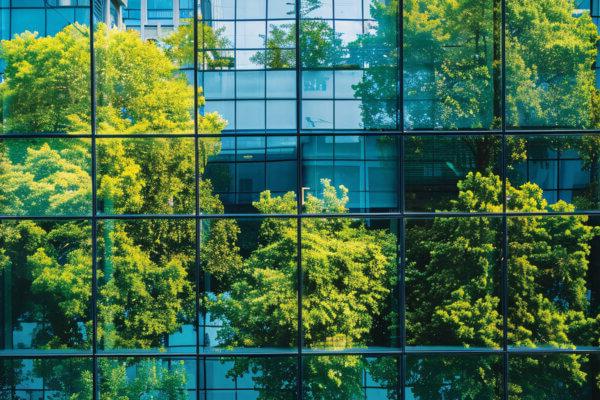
[
  {"x": 453, "y": 288},
  {"x": 348, "y": 279},
  {"x": 145, "y": 269}
]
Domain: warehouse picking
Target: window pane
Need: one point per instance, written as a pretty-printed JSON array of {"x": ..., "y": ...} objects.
[
  {"x": 146, "y": 176},
  {"x": 46, "y": 270},
  {"x": 45, "y": 177},
  {"x": 250, "y": 301},
  {"x": 451, "y": 66},
  {"x": 351, "y": 377},
  {"x": 353, "y": 261},
  {"x": 542, "y": 90},
  {"x": 453, "y": 283},
  {"x": 553, "y": 288},
  {"x": 454, "y": 377},
  {"x": 146, "y": 285},
  {"x": 37, "y": 378},
  {"x": 440, "y": 170}
]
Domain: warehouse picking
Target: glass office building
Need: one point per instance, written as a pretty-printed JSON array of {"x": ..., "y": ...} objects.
[{"x": 309, "y": 199}]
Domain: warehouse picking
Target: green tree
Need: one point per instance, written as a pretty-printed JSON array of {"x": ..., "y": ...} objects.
[
  {"x": 453, "y": 289},
  {"x": 349, "y": 277},
  {"x": 145, "y": 269}
]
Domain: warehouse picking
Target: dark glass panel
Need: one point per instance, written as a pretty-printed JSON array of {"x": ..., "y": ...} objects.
[
  {"x": 240, "y": 170},
  {"x": 553, "y": 169},
  {"x": 554, "y": 376},
  {"x": 250, "y": 378},
  {"x": 363, "y": 170},
  {"x": 436, "y": 167},
  {"x": 461, "y": 376}
]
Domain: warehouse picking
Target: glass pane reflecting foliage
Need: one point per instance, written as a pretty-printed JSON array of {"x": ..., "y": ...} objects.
[
  {"x": 40, "y": 378},
  {"x": 299, "y": 199},
  {"x": 453, "y": 291},
  {"x": 551, "y": 376},
  {"x": 358, "y": 377},
  {"x": 46, "y": 273},
  {"x": 553, "y": 282},
  {"x": 452, "y": 57},
  {"x": 440, "y": 169},
  {"x": 454, "y": 377}
]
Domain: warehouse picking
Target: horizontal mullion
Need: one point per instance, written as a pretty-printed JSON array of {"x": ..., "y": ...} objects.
[{"x": 355, "y": 215}]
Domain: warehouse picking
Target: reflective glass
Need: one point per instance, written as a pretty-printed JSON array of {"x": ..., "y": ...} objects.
[
  {"x": 454, "y": 377},
  {"x": 46, "y": 378},
  {"x": 249, "y": 269},
  {"x": 553, "y": 284},
  {"x": 452, "y": 65},
  {"x": 453, "y": 283},
  {"x": 350, "y": 377},
  {"x": 542, "y": 90},
  {"x": 441, "y": 169},
  {"x": 146, "y": 378},
  {"x": 244, "y": 169},
  {"x": 349, "y": 274},
  {"x": 45, "y": 177},
  {"x": 250, "y": 378},
  {"x": 146, "y": 285},
  {"x": 364, "y": 177},
  {"x": 561, "y": 172},
  {"x": 145, "y": 176},
  {"x": 46, "y": 274},
  {"x": 553, "y": 376}
]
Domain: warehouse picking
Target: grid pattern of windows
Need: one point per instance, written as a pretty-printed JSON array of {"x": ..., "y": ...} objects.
[{"x": 320, "y": 199}]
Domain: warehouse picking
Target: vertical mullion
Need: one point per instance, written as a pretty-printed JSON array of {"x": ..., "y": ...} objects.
[
  {"x": 299, "y": 201},
  {"x": 95, "y": 377},
  {"x": 504, "y": 254},
  {"x": 197, "y": 219},
  {"x": 401, "y": 198}
]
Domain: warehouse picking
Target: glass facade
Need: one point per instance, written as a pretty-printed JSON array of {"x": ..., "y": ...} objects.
[{"x": 309, "y": 199}]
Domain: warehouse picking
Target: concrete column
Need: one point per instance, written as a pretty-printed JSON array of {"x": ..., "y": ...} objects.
[
  {"x": 143, "y": 17},
  {"x": 175, "y": 13}
]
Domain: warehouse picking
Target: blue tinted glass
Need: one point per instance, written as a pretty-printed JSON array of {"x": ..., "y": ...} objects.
[
  {"x": 250, "y": 115},
  {"x": 317, "y": 114},
  {"x": 250, "y": 84},
  {"x": 219, "y": 85},
  {"x": 218, "y": 9},
  {"x": 225, "y": 109},
  {"x": 281, "y": 9},
  {"x": 348, "y": 115},
  {"x": 250, "y": 35},
  {"x": 345, "y": 84},
  {"x": 281, "y": 84},
  {"x": 255, "y": 9},
  {"x": 28, "y": 20},
  {"x": 281, "y": 114},
  {"x": 350, "y": 9},
  {"x": 317, "y": 84},
  {"x": 59, "y": 19}
]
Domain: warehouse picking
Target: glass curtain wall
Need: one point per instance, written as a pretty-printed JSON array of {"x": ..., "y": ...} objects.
[{"x": 310, "y": 199}]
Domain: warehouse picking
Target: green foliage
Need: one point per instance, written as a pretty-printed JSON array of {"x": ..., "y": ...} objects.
[
  {"x": 453, "y": 280},
  {"x": 348, "y": 277}
]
